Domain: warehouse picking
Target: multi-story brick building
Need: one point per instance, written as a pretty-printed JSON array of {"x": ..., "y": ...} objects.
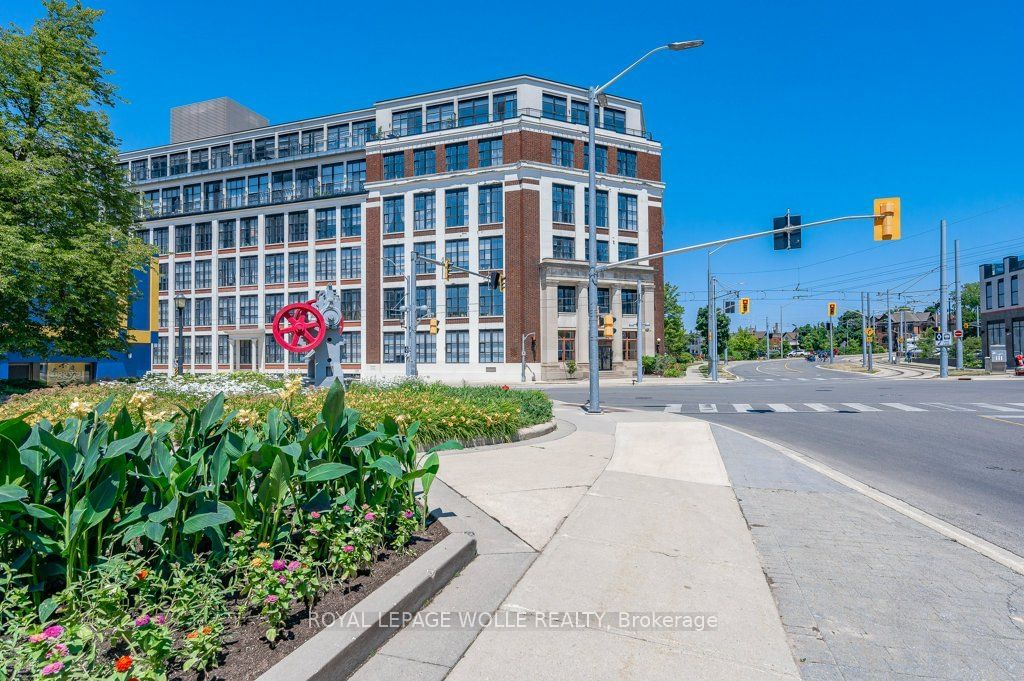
[
  {"x": 491, "y": 176},
  {"x": 1002, "y": 308}
]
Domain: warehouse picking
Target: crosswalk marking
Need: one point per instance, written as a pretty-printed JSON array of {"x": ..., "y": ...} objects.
[
  {"x": 803, "y": 379},
  {"x": 742, "y": 407},
  {"x": 993, "y": 407},
  {"x": 769, "y": 379},
  {"x": 947, "y": 407},
  {"x": 708, "y": 408},
  {"x": 785, "y": 408},
  {"x": 820, "y": 378},
  {"x": 859, "y": 407},
  {"x": 902, "y": 407},
  {"x": 818, "y": 406},
  {"x": 674, "y": 408}
]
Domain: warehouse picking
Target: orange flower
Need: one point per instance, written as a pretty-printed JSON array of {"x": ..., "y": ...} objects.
[
  {"x": 192, "y": 634},
  {"x": 142, "y": 574},
  {"x": 207, "y": 630},
  {"x": 124, "y": 663}
]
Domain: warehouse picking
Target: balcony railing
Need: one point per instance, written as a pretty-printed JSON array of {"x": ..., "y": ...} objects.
[
  {"x": 405, "y": 129},
  {"x": 246, "y": 158},
  {"x": 172, "y": 208}
]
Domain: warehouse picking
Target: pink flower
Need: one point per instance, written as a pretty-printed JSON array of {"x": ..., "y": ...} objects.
[
  {"x": 36, "y": 638},
  {"x": 59, "y": 650},
  {"x": 408, "y": 514},
  {"x": 238, "y": 535},
  {"x": 294, "y": 565},
  {"x": 348, "y": 548},
  {"x": 366, "y": 506},
  {"x": 277, "y": 565},
  {"x": 346, "y": 507},
  {"x": 314, "y": 515},
  {"x": 160, "y": 619},
  {"x": 52, "y": 668},
  {"x": 53, "y": 631},
  {"x": 281, "y": 579},
  {"x": 271, "y": 598},
  {"x": 370, "y": 516},
  {"x": 142, "y": 621},
  {"x": 314, "y": 532}
]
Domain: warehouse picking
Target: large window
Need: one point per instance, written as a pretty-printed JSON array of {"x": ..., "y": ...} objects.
[
  {"x": 298, "y": 227},
  {"x": 162, "y": 277},
  {"x": 492, "y": 253},
  {"x": 272, "y": 302},
  {"x": 988, "y": 295},
  {"x": 272, "y": 352},
  {"x": 456, "y": 156},
  {"x": 567, "y": 299},
  {"x": 627, "y": 213},
  {"x": 562, "y": 200},
  {"x": 492, "y": 346},
  {"x": 351, "y": 221},
  {"x": 394, "y": 214},
  {"x": 600, "y": 163},
  {"x": 226, "y": 307},
  {"x": 602, "y": 208},
  {"x": 625, "y": 163},
  {"x": 248, "y": 270},
  {"x": 248, "y": 310},
  {"x": 351, "y": 303},
  {"x": 1001, "y": 293},
  {"x": 226, "y": 230},
  {"x": 629, "y": 345},
  {"x": 160, "y": 351},
  {"x": 492, "y": 301},
  {"x": 223, "y": 349},
  {"x": 394, "y": 301},
  {"x": 473, "y": 111},
  {"x": 423, "y": 211},
  {"x": 325, "y": 225},
  {"x": 273, "y": 229},
  {"x": 456, "y": 347},
  {"x": 394, "y": 348},
  {"x": 426, "y": 347},
  {"x": 183, "y": 238},
  {"x": 1017, "y": 337},
  {"x": 491, "y": 152},
  {"x": 629, "y": 300},
  {"x": 161, "y": 312},
  {"x": 1014, "y": 290},
  {"x": 394, "y": 260},
  {"x": 409, "y": 122},
  {"x": 273, "y": 266},
  {"x": 996, "y": 334},
  {"x": 326, "y": 264},
  {"x": 298, "y": 267},
  {"x": 505, "y": 106},
  {"x": 628, "y": 251},
  {"x": 566, "y": 346},
  {"x": 160, "y": 239},
  {"x": 248, "y": 232},
  {"x": 578, "y": 112},
  {"x": 362, "y": 131},
  {"x": 440, "y": 116},
  {"x": 456, "y": 207},
  {"x": 332, "y": 178},
  {"x": 203, "y": 314},
  {"x": 491, "y": 200},
  {"x": 553, "y": 106},
  {"x": 457, "y": 250},
  {"x": 394, "y": 165},
  {"x": 428, "y": 250},
  {"x": 604, "y": 301},
  {"x": 355, "y": 173},
  {"x": 203, "y": 273},
  {"x": 456, "y": 300},
  {"x": 563, "y": 247},
  {"x": 561, "y": 152},
  {"x": 182, "y": 276},
  {"x": 351, "y": 263},
  {"x": 204, "y": 236},
  {"x": 426, "y": 297},
  {"x": 259, "y": 192},
  {"x": 602, "y": 250},
  {"x": 424, "y": 161},
  {"x": 615, "y": 119}
]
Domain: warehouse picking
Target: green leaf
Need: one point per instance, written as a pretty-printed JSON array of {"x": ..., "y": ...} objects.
[
  {"x": 166, "y": 513},
  {"x": 220, "y": 463},
  {"x": 212, "y": 412},
  {"x": 217, "y": 515},
  {"x": 65, "y": 451},
  {"x": 449, "y": 444},
  {"x": 364, "y": 439},
  {"x": 274, "y": 483},
  {"x": 125, "y": 445},
  {"x": 103, "y": 497},
  {"x": 46, "y": 609},
  {"x": 11, "y": 493},
  {"x": 430, "y": 464},
  {"x": 333, "y": 411},
  {"x": 44, "y": 513},
  {"x": 11, "y": 468},
  {"x": 328, "y": 471},
  {"x": 16, "y": 429},
  {"x": 389, "y": 465},
  {"x": 154, "y": 531}
]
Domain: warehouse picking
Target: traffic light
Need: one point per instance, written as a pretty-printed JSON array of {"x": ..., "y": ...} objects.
[
  {"x": 433, "y": 327},
  {"x": 609, "y": 326},
  {"x": 446, "y": 269},
  {"x": 887, "y": 219},
  {"x": 744, "y": 305},
  {"x": 786, "y": 241},
  {"x": 832, "y": 309},
  {"x": 498, "y": 281},
  {"x": 870, "y": 333}
]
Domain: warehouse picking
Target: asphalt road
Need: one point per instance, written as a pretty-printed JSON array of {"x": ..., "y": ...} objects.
[{"x": 952, "y": 448}]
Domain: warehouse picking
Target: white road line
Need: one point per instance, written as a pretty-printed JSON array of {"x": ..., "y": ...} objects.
[
  {"x": 1017, "y": 404},
  {"x": 818, "y": 406},
  {"x": 673, "y": 408},
  {"x": 769, "y": 379},
  {"x": 784, "y": 379},
  {"x": 742, "y": 408},
  {"x": 859, "y": 407},
  {"x": 784, "y": 408},
  {"x": 947, "y": 407},
  {"x": 819, "y": 378},
  {"x": 902, "y": 407},
  {"x": 803, "y": 379},
  {"x": 708, "y": 408},
  {"x": 994, "y": 407}
]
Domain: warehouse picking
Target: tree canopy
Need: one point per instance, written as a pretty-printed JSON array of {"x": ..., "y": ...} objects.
[
  {"x": 67, "y": 246},
  {"x": 675, "y": 336},
  {"x": 744, "y": 345},
  {"x": 723, "y": 326}
]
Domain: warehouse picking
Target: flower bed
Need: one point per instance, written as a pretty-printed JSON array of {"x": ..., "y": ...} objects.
[
  {"x": 444, "y": 412},
  {"x": 133, "y": 541}
]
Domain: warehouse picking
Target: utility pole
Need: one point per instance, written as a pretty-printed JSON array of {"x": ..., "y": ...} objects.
[
  {"x": 712, "y": 329},
  {"x": 410, "y": 316},
  {"x": 871, "y": 350},
  {"x": 863, "y": 333},
  {"x": 888, "y": 321},
  {"x": 959, "y": 308},
  {"x": 522, "y": 355},
  {"x": 831, "y": 342},
  {"x": 903, "y": 334},
  {"x": 767, "y": 339},
  {"x": 943, "y": 351},
  {"x": 639, "y": 330}
]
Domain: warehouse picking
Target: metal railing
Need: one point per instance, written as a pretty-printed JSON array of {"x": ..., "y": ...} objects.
[
  {"x": 407, "y": 130},
  {"x": 160, "y": 209}
]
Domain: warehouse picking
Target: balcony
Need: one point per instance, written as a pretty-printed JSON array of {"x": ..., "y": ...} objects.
[
  {"x": 244, "y": 158},
  {"x": 171, "y": 208},
  {"x": 454, "y": 122}
]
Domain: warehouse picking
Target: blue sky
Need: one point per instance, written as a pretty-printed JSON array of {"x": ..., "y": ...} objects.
[{"x": 812, "y": 106}]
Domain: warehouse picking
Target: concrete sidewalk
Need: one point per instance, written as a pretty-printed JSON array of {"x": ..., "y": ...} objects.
[{"x": 630, "y": 513}]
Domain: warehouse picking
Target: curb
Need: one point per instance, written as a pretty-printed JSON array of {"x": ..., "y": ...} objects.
[
  {"x": 339, "y": 649},
  {"x": 527, "y": 433}
]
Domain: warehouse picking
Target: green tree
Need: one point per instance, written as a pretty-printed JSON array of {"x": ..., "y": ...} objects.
[
  {"x": 743, "y": 345},
  {"x": 702, "y": 327},
  {"x": 970, "y": 299},
  {"x": 67, "y": 247},
  {"x": 675, "y": 335},
  {"x": 926, "y": 343}
]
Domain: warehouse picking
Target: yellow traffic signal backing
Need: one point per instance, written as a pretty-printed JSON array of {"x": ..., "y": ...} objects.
[
  {"x": 744, "y": 305},
  {"x": 433, "y": 327},
  {"x": 832, "y": 309},
  {"x": 887, "y": 219},
  {"x": 609, "y": 326},
  {"x": 446, "y": 268},
  {"x": 870, "y": 333}
]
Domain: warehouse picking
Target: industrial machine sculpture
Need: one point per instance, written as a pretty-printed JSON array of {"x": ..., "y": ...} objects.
[{"x": 314, "y": 327}]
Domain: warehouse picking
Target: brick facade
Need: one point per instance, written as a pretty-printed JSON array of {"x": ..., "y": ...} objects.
[{"x": 522, "y": 269}]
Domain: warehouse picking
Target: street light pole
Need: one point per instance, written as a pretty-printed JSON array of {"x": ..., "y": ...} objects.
[
  {"x": 959, "y": 308},
  {"x": 888, "y": 321},
  {"x": 943, "y": 351},
  {"x": 871, "y": 350},
  {"x": 639, "y": 330},
  {"x": 594, "y": 404},
  {"x": 863, "y": 333}
]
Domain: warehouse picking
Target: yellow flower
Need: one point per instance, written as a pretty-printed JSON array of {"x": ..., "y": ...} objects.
[
  {"x": 247, "y": 417},
  {"x": 256, "y": 562},
  {"x": 79, "y": 409},
  {"x": 140, "y": 400},
  {"x": 263, "y": 545}
]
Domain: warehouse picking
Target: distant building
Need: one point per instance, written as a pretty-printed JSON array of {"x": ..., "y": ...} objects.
[
  {"x": 1002, "y": 312},
  {"x": 906, "y": 323}
]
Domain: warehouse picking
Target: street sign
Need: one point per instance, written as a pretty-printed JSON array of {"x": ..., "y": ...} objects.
[
  {"x": 943, "y": 339},
  {"x": 730, "y": 307},
  {"x": 958, "y": 334},
  {"x": 787, "y": 241}
]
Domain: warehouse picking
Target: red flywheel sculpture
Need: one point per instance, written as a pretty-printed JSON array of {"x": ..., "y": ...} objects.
[{"x": 299, "y": 327}]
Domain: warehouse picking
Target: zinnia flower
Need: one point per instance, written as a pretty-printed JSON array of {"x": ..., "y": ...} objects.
[
  {"x": 52, "y": 668},
  {"x": 271, "y": 598},
  {"x": 207, "y": 630},
  {"x": 160, "y": 619},
  {"x": 282, "y": 579},
  {"x": 263, "y": 545},
  {"x": 314, "y": 515},
  {"x": 124, "y": 663},
  {"x": 256, "y": 562},
  {"x": 278, "y": 565},
  {"x": 142, "y": 621},
  {"x": 370, "y": 516},
  {"x": 348, "y": 548},
  {"x": 346, "y": 507},
  {"x": 192, "y": 635},
  {"x": 408, "y": 514},
  {"x": 142, "y": 574},
  {"x": 59, "y": 650},
  {"x": 36, "y": 638},
  {"x": 53, "y": 631},
  {"x": 294, "y": 565}
]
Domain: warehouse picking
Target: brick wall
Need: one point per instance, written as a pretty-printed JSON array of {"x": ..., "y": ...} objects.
[
  {"x": 374, "y": 168},
  {"x": 648, "y": 166},
  {"x": 656, "y": 243},
  {"x": 527, "y": 146},
  {"x": 371, "y": 277},
  {"x": 522, "y": 270}
]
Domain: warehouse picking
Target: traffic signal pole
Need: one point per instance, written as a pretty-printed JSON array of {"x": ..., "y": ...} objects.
[
  {"x": 639, "y": 330},
  {"x": 959, "y": 326},
  {"x": 888, "y": 321},
  {"x": 871, "y": 344},
  {"x": 943, "y": 326}
]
